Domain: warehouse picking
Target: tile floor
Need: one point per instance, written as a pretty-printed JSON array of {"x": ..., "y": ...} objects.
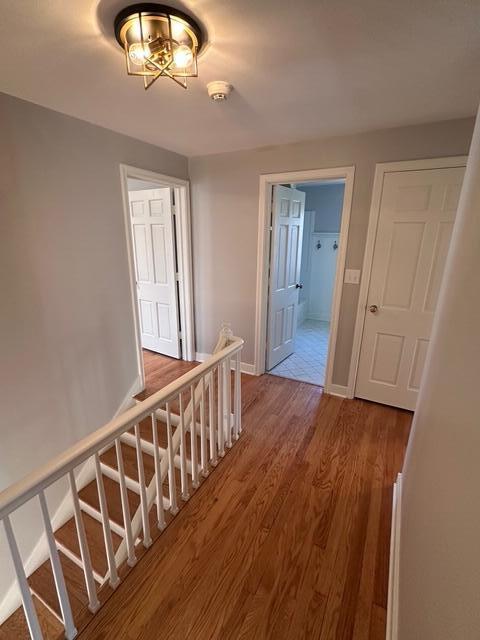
[{"x": 309, "y": 361}]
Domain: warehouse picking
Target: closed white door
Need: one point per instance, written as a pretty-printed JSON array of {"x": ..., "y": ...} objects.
[
  {"x": 151, "y": 215},
  {"x": 417, "y": 212},
  {"x": 323, "y": 264},
  {"x": 288, "y": 207}
]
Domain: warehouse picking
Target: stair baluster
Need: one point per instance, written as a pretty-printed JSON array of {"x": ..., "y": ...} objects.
[
  {"x": 63, "y": 599},
  {"x": 158, "y": 476},
  {"x": 183, "y": 452},
  {"x": 127, "y": 522},
  {"x": 203, "y": 433},
  {"x": 107, "y": 532},
  {"x": 172, "y": 482},
  {"x": 93, "y": 601},
  {"x": 147, "y": 540},
  {"x": 211, "y": 419},
  {"x": 27, "y": 600},
  {"x": 193, "y": 437}
]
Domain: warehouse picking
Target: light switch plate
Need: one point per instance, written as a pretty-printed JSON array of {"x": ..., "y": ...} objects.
[{"x": 352, "y": 276}]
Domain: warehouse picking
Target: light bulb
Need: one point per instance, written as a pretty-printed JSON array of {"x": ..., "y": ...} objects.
[
  {"x": 182, "y": 57},
  {"x": 138, "y": 52}
]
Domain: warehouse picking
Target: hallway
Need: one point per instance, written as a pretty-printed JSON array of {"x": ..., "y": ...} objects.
[{"x": 287, "y": 539}]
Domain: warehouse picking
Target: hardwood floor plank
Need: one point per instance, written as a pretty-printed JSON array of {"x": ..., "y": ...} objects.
[
  {"x": 378, "y": 623},
  {"x": 346, "y": 541},
  {"x": 367, "y": 580}
]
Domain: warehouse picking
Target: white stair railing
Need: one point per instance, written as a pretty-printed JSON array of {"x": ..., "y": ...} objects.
[
  {"x": 208, "y": 414},
  {"x": 219, "y": 365}
]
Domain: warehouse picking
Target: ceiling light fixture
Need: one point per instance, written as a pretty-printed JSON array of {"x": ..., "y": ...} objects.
[{"x": 158, "y": 41}]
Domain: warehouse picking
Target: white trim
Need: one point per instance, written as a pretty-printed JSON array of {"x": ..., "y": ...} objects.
[
  {"x": 263, "y": 254},
  {"x": 394, "y": 565},
  {"x": 245, "y": 367},
  {"x": 338, "y": 390},
  {"x": 184, "y": 256},
  {"x": 84, "y": 475},
  {"x": 128, "y": 401},
  {"x": 302, "y": 312},
  {"x": 380, "y": 170}
]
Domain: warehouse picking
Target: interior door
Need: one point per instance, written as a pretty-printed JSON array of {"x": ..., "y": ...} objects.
[
  {"x": 288, "y": 207},
  {"x": 417, "y": 212},
  {"x": 151, "y": 216}
]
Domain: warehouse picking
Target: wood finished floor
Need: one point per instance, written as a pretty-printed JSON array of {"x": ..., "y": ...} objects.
[{"x": 287, "y": 539}]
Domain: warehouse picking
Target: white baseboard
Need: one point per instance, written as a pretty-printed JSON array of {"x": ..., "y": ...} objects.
[
  {"x": 83, "y": 475},
  {"x": 337, "y": 390},
  {"x": 393, "y": 574},
  {"x": 301, "y": 312},
  {"x": 245, "y": 367}
]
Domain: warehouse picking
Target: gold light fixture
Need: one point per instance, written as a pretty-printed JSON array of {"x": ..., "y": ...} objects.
[{"x": 158, "y": 41}]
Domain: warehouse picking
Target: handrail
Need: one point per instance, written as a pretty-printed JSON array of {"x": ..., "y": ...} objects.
[{"x": 24, "y": 490}]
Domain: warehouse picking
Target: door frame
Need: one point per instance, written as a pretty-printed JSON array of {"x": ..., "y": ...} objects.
[
  {"x": 381, "y": 169},
  {"x": 184, "y": 256},
  {"x": 267, "y": 181}
]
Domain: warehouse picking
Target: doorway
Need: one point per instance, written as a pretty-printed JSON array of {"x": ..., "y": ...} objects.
[
  {"x": 302, "y": 250},
  {"x": 157, "y": 222}
]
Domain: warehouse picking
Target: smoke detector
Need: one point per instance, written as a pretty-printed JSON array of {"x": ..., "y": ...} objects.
[{"x": 218, "y": 90}]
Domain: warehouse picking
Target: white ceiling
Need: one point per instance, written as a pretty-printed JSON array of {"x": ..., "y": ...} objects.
[{"x": 300, "y": 69}]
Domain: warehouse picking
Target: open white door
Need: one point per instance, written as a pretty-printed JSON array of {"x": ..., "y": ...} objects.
[
  {"x": 416, "y": 216},
  {"x": 288, "y": 207},
  {"x": 151, "y": 216}
]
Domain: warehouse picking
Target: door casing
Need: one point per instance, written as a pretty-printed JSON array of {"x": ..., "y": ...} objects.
[
  {"x": 181, "y": 190},
  {"x": 380, "y": 170},
  {"x": 263, "y": 252}
]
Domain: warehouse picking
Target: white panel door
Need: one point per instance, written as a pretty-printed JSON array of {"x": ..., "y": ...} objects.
[
  {"x": 417, "y": 212},
  {"x": 151, "y": 216},
  {"x": 288, "y": 207},
  {"x": 323, "y": 264}
]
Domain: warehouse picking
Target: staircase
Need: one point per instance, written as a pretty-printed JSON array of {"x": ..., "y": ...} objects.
[{"x": 141, "y": 468}]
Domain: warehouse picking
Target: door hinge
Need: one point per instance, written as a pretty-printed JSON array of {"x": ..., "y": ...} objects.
[{"x": 177, "y": 276}]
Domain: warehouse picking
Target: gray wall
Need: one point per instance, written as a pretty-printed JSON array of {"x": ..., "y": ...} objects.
[
  {"x": 440, "y": 519},
  {"x": 225, "y": 216},
  {"x": 68, "y": 350},
  {"x": 327, "y": 202}
]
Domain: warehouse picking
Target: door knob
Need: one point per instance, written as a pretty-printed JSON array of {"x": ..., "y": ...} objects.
[
  {"x": 373, "y": 308},
  {"x": 299, "y": 286}
]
